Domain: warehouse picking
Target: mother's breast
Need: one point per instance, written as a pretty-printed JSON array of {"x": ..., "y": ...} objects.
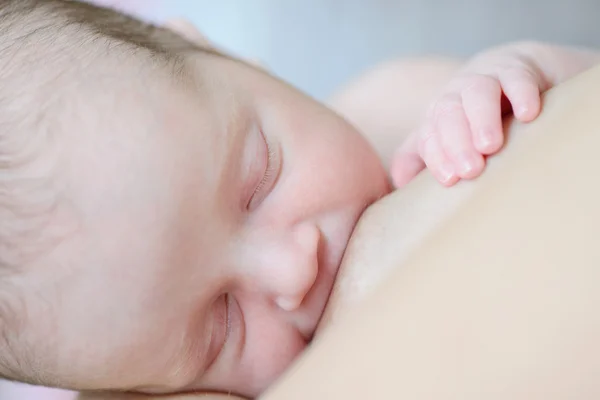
[
  {"x": 386, "y": 235},
  {"x": 392, "y": 228}
]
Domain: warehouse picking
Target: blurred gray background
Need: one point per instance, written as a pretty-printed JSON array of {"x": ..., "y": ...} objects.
[{"x": 320, "y": 44}]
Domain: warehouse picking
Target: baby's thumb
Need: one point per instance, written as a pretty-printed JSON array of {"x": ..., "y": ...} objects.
[{"x": 406, "y": 162}]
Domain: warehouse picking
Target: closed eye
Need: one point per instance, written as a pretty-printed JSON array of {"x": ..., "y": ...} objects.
[{"x": 269, "y": 177}]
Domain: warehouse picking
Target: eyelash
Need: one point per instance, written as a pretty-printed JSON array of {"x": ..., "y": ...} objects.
[{"x": 269, "y": 171}]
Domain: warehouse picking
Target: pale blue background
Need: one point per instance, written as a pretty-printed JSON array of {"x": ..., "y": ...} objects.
[{"x": 319, "y": 44}]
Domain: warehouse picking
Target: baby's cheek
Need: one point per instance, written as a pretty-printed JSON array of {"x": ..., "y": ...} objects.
[{"x": 272, "y": 344}]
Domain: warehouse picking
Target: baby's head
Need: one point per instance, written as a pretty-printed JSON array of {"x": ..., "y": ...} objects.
[{"x": 170, "y": 218}]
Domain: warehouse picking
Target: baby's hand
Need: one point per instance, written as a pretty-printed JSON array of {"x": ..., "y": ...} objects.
[{"x": 464, "y": 124}]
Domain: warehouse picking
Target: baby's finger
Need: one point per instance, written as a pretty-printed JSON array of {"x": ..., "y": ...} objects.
[
  {"x": 454, "y": 134},
  {"x": 438, "y": 163},
  {"x": 522, "y": 88},
  {"x": 482, "y": 106},
  {"x": 407, "y": 161}
]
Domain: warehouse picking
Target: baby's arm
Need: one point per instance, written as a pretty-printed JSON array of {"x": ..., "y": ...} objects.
[{"x": 464, "y": 123}]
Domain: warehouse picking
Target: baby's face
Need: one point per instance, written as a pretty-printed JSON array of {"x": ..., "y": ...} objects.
[{"x": 212, "y": 218}]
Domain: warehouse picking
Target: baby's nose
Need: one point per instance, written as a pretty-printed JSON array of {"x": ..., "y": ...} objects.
[{"x": 290, "y": 268}]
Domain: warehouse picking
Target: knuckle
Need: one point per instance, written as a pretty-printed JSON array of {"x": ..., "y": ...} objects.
[
  {"x": 448, "y": 104},
  {"x": 519, "y": 74},
  {"x": 480, "y": 83},
  {"x": 514, "y": 70}
]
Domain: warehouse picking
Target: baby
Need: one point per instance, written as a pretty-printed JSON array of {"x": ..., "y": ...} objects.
[{"x": 172, "y": 219}]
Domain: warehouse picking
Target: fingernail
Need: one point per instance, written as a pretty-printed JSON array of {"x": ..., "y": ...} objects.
[
  {"x": 466, "y": 163},
  {"x": 522, "y": 111},
  {"x": 486, "y": 138},
  {"x": 446, "y": 172}
]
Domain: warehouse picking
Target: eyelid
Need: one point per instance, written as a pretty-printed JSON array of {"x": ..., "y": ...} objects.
[
  {"x": 221, "y": 329},
  {"x": 270, "y": 174}
]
